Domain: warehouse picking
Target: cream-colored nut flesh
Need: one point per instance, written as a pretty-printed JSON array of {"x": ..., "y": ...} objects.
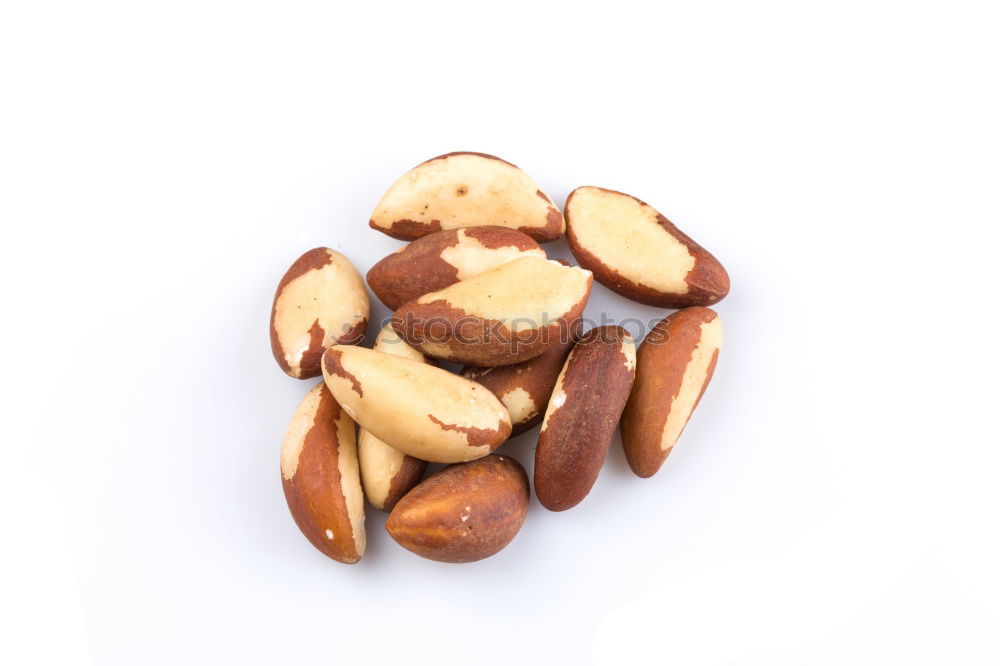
[
  {"x": 471, "y": 258},
  {"x": 388, "y": 342},
  {"x": 628, "y": 349},
  {"x": 464, "y": 190},
  {"x": 380, "y": 462},
  {"x": 302, "y": 422},
  {"x": 350, "y": 474},
  {"x": 628, "y": 238},
  {"x": 520, "y": 405},
  {"x": 379, "y": 465},
  {"x": 527, "y": 293},
  {"x": 692, "y": 382},
  {"x": 557, "y": 400},
  {"x": 329, "y": 299},
  {"x": 423, "y": 411},
  {"x": 321, "y": 478}
]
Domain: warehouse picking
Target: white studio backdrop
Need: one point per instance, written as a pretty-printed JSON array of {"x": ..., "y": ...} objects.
[{"x": 834, "y": 497}]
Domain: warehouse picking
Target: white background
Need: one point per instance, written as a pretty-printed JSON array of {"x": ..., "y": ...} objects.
[{"x": 834, "y": 499}]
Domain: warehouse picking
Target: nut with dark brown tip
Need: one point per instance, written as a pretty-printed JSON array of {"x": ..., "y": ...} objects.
[
  {"x": 465, "y": 512},
  {"x": 636, "y": 251},
  {"x": 582, "y": 416}
]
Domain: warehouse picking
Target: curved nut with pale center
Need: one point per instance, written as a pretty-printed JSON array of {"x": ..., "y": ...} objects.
[
  {"x": 464, "y": 512},
  {"x": 524, "y": 388},
  {"x": 386, "y": 472},
  {"x": 504, "y": 316},
  {"x": 675, "y": 364},
  {"x": 321, "y": 301},
  {"x": 444, "y": 258},
  {"x": 465, "y": 190},
  {"x": 319, "y": 474},
  {"x": 637, "y": 252},
  {"x": 582, "y": 415},
  {"x": 423, "y": 411}
]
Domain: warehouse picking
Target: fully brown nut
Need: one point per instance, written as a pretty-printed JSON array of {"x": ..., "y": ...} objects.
[
  {"x": 636, "y": 251},
  {"x": 319, "y": 474},
  {"x": 386, "y": 472},
  {"x": 675, "y": 364},
  {"x": 463, "y": 513},
  {"x": 423, "y": 411},
  {"x": 524, "y": 388},
  {"x": 466, "y": 190},
  {"x": 504, "y": 316},
  {"x": 582, "y": 416},
  {"x": 321, "y": 301},
  {"x": 444, "y": 258}
]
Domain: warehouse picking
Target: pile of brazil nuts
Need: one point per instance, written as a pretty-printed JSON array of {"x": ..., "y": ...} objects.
[{"x": 474, "y": 287}]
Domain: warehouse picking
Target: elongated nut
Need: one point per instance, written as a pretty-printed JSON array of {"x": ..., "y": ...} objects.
[
  {"x": 636, "y": 251},
  {"x": 504, "y": 316},
  {"x": 675, "y": 364},
  {"x": 582, "y": 416},
  {"x": 524, "y": 388},
  {"x": 386, "y": 472},
  {"x": 321, "y": 301},
  {"x": 319, "y": 474},
  {"x": 463, "y": 513},
  {"x": 423, "y": 411},
  {"x": 466, "y": 190},
  {"x": 444, "y": 258}
]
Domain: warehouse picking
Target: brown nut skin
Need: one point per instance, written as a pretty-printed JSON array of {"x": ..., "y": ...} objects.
[
  {"x": 465, "y": 189},
  {"x": 504, "y": 316},
  {"x": 386, "y": 472},
  {"x": 675, "y": 364},
  {"x": 321, "y": 301},
  {"x": 524, "y": 388},
  {"x": 465, "y": 512},
  {"x": 319, "y": 474},
  {"x": 582, "y": 416},
  {"x": 444, "y": 258},
  {"x": 424, "y": 411},
  {"x": 634, "y": 250}
]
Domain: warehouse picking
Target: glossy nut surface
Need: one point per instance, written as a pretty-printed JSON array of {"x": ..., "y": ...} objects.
[{"x": 463, "y": 513}]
